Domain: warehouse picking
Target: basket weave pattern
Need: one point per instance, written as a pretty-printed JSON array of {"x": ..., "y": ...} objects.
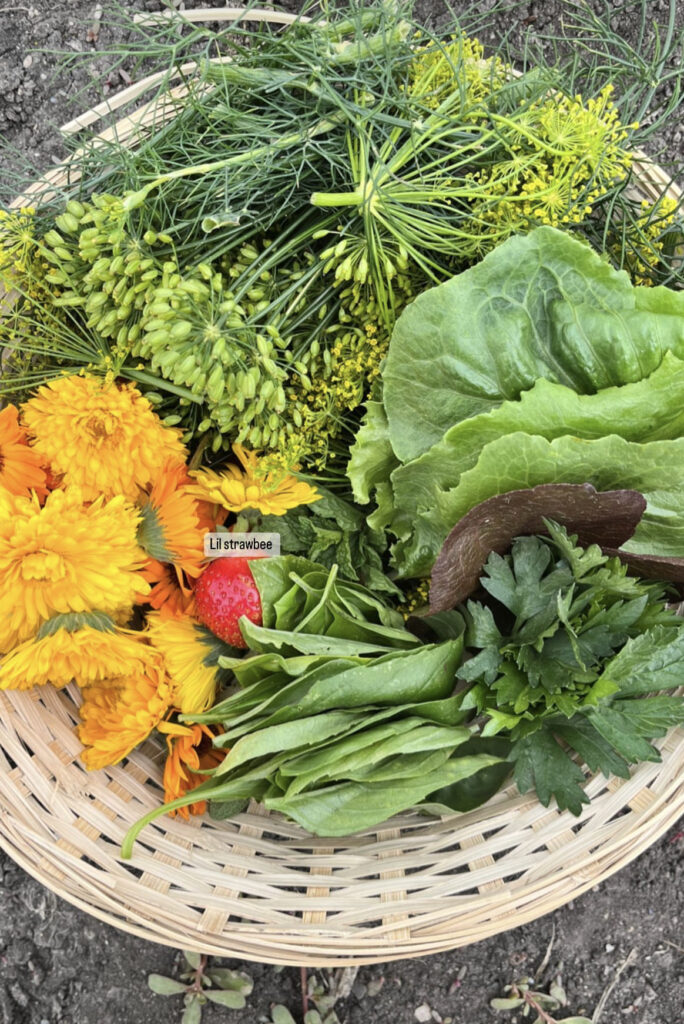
[{"x": 259, "y": 887}]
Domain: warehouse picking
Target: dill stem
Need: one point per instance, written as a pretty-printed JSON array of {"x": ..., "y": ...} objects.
[
  {"x": 326, "y": 199},
  {"x": 135, "y": 199}
]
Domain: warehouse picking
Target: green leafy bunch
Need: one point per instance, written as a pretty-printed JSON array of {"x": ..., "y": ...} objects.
[
  {"x": 342, "y": 716},
  {"x": 571, "y": 649},
  {"x": 237, "y": 343},
  {"x": 588, "y": 388},
  {"x": 486, "y": 154},
  {"x": 185, "y": 324},
  {"x": 334, "y": 532}
]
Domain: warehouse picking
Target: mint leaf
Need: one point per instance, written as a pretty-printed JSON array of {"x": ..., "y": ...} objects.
[
  {"x": 650, "y": 662},
  {"x": 651, "y": 716}
]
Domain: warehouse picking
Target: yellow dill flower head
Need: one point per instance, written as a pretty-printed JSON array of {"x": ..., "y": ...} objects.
[
  {"x": 84, "y": 648},
  {"x": 104, "y": 438},
  {"x": 190, "y": 751},
  {"x": 188, "y": 652},
  {"x": 587, "y": 135},
  {"x": 65, "y": 557},
  {"x": 457, "y": 68},
  {"x": 250, "y": 487},
  {"x": 645, "y": 239},
  {"x": 20, "y": 466},
  {"x": 117, "y": 714},
  {"x": 17, "y": 241},
  {"x": 417, "y": 596}
]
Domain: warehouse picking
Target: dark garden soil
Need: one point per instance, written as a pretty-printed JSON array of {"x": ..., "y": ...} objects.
[{"x": 60, "y": 966}]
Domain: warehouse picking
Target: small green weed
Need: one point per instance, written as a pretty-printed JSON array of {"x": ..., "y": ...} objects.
[{"x": 196, "y": 985}]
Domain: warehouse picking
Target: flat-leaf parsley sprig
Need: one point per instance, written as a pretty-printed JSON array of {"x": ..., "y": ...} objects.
[{"x": 571, "y": 655}]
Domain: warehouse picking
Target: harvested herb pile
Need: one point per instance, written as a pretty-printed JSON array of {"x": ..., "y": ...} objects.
[{"x": 378, "y": 292}]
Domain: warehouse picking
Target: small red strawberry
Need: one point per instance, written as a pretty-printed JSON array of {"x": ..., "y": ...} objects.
[{"x": 225, "y": 591}]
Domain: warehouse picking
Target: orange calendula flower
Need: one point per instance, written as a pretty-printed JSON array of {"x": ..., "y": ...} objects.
[
  {"x": 104, "y": 438},
  {"x": 84, "y": 648},
  {"x": 170, "y": 594},
  {"x": 190, "y": 751},
  {"x": 118, "y": 714},
  {"x": 190, "y": 653},
  {"x": 174, "y": 522},
  {"x": 250, "y": 487},
  {"x": 21, "y": 468},
  {"x": 65, "y": 557}
]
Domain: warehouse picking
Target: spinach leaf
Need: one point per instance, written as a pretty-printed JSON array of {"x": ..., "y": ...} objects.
[{"x": 347, "y": 807}]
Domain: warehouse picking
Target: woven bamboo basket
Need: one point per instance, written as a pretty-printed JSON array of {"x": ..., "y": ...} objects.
[{"x": 260, "y": 888}]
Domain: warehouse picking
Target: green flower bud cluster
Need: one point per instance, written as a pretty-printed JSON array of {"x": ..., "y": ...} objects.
[
  {"x": 349, "y": 262},
  {"x": 195, "y": 334},
  {"x": 100, "y": 268},
  {"x": 279, "y": 354}
]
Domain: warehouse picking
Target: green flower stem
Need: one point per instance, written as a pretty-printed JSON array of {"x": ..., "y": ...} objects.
[
  {"x": 160, "y": 382},
  {"x": 328, "y": 199},
  {"x": 278, "y": 253}
]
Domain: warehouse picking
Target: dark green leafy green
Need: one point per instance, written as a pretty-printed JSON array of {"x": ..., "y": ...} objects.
[
  {"x": 571, "y": 649},
  {"x": 334, "y": 532},
  {"x": 350, "y": 806},
  {"x": 541, "y": 764}
]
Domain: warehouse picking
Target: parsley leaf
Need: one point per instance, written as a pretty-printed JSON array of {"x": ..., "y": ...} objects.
[
  {"x": 540, "y": 763},
  {"x": 566, "y": 659}
]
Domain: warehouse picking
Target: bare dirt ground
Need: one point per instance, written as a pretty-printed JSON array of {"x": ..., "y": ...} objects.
[{"x": 60, "y": 966}]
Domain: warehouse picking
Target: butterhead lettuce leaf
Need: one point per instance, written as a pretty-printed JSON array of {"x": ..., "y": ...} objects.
[{"x": 544, "y": 305}]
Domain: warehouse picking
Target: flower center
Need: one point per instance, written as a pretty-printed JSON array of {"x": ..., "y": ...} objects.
[
  {"x": 100, "y": 425},
  {"x": 43, "y": 565}
]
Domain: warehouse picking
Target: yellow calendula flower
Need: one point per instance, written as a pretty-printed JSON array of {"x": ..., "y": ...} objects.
[
  {"x": 190, "y": 751},
  {"x": 189, "y": 652},
  {"x": 103, "y": 438},
  {"x": 65, "y": 557},
  {"x": 250, "y": 487},
  {"x": 84, "y": 648},
  {"x": 118, "y": 714},
  {"x": 21, "y": 468}
]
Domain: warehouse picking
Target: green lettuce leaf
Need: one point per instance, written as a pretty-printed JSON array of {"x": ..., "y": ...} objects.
[
  {"x": 650, "y": 410},
  {"x": 543, "y": 305},
  {"x": 371, "y": 456},
  {"x": 523, "y": 460}
]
